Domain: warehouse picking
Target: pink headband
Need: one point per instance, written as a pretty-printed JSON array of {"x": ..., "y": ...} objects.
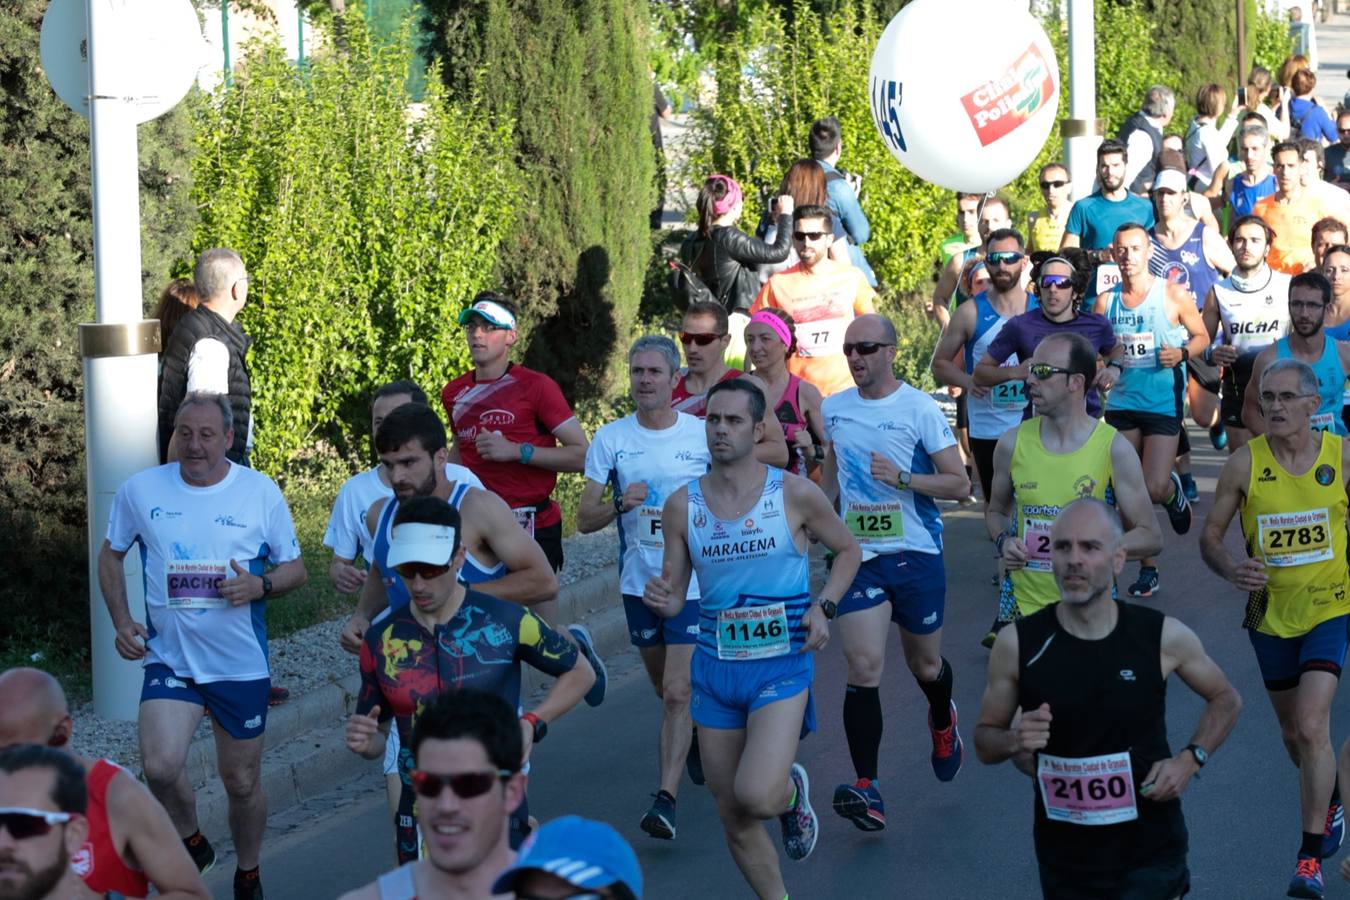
[
  {"x": 732, "y": 197},
  {"x": 764, "y": 317}
]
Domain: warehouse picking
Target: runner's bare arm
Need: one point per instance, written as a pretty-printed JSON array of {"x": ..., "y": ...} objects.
[
  {"x": 346, "y": 577},
  {"x": 131, "y": 635},
  {"x": 949, "y": 482},
  {"x": 990, "y": 371},
  {"x": 1249, "y": 574},
  {"x": 1252, "y": 419},
  {"x": 771, "y": 448},
  {"x": 568, "y": 688},
  {"x": 593, "y": 512},
  {"x": 1070, "y": 240},
  {"x": 816, "y": 514},
  {"x": 1217, "y": 252},
  {"x": 1181, "y": 309},
  {"x": 143, "y": 833},
  {"x": 373, "y": 598},
  {"x": 569, "y": 455},
  {"x": 529, "y": 578},
  {"x": 953, "y": 340},
  {"x": 829, "y": 474},
  {"x": 1183, "y": 653},
  {"x": 998, "y": 515},
  {"x": 996, "y": 740},
  {"x": 1142, "y": 535},
  {"x": 665, "y": 594},
  {"x": 943, "y": 290}
]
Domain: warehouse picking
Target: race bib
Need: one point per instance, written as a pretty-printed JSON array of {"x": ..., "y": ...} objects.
[
  {"x": 753, "y": 632},
  {"x": 1036, "y": 535},
  {"x": 195, "y": 583},
  {"x": 1141, "y": 350},
  {"x": 1108, "y": 277},
  {"x": 1323, "y": 421},
  {"x": 823, "y": 337},
  {"x": 876, "y": 521},
  {"x": 1009, "y": 395},
  {"x": 649, "y": 528},
  {"x": 1295, "y": 539},
  {"x": 1092, "y": 790},
  {"x": 525, "y": 518}
]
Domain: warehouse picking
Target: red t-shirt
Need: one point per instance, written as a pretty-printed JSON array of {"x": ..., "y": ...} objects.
[
  {"x": 526, "y": 407},
  {"x": 98, "y": 862},
  {"x": 695, "y": 404}
]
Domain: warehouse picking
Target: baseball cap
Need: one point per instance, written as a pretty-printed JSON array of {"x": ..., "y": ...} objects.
[
  {"x": 1169, "y": 180},
  {"x": 492, "y": 311},
  {"x": 586, "y": 854},
  {"x": 421, "y": 542}
]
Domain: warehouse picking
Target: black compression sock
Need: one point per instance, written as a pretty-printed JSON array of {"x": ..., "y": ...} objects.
[
  {"x": 1312, "y": 845},
  {"x": 862, "y": 728},
  {"x": 939, "y": 694}
]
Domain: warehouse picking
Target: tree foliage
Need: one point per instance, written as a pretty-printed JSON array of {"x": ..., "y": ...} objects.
[{"x": 366, "y": 224}]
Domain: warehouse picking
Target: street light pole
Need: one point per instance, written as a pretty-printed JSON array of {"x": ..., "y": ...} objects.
[{"x": 1082, "y": 131}]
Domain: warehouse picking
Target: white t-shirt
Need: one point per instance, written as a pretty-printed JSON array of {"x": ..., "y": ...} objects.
[
  {"x": 624, "y": 452},
  {"x": 346, "y": 534},
  {"x": 907, "y": 428},
  {"x": 188, "y": 535}
]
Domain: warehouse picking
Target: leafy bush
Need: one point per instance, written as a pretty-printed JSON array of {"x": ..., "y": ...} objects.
[{"x": 367, "y": 225}]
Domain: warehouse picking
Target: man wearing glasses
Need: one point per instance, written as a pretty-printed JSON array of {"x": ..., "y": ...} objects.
[
  {"x": 1289, "y": 488},
  {"x": 1257, "y": 180},
  {"x": 42, "y": 823},
  {"x": 1337, "y": 166},
  {"x": 890, "y": 457},
  {"x": 469, "y": 785},
  {"x": 1046, "y": 228},
  {"x": 822, "y": 296},
  {"x": 1048, "y": 461},
  {"x": 447, "y": 638}
]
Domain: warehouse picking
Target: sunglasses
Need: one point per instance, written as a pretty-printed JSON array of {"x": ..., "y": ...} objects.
[
  {"x": 1046, "y": 185},
  {"x": 464, "y": 785},
  {"x": 808, "y": 235},
  {"x": 24, "y": 823},
  {"x": 864, "y": 348},
  {"x": 1005, "y": 257},
  {"x": 1057, "y": 281},
  {"x": 702, "y": 340},
  {"x": 1042, "y": 371},
  {"x": 426, "y": 571}
]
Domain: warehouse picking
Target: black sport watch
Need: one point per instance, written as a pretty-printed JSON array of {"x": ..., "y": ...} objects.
[
  {"x": 829, "y": 607},
  {"x": 1200, "y": 753},
  {"x": 267, "y": 586},
  {"x": 539, "y": 725}
]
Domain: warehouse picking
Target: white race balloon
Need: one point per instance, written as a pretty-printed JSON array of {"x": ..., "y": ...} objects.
[{"x": 964, "y": 92}]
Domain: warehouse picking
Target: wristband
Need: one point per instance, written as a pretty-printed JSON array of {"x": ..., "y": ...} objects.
[
  {"x": 526, "y": 454},
  {"x": 999, "y": 541},
  {"x": 267, "y": 586},
  {"x": 618, "y": 503},
  {"x": 818, "y": 453},
  {"x": 1120, "y": 367},
  {"x": 1185, "y": 354}
]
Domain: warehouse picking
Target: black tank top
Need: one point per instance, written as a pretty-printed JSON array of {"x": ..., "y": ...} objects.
[{"x": 1106, "y": 696}]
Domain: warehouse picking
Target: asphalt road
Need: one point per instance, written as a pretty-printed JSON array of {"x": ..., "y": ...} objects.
[{"x": 968, "y": 838}]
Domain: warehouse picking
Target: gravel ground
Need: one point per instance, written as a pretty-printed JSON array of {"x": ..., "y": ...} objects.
[{"x": 310, "y": 658}]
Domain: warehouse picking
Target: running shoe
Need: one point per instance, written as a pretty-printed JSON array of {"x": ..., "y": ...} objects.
[
  {"x": 659, "y": 821},
  {"x": 1334, "y": 833},
  {"x": 1188, "y": 487},
  {"x": 202, "y": 853},
  {"x": 693, "y": 762},
  {"x": 800, "y": 828},
  {"x": 247, "y": 885},
  {"x": 596, "y": 695},
  {"x": 1178, "y": 509},
  {"x": 861, "y": 804},
  {"x": 1307, "y": 880},
  {"x": 1218, "y": 436},
  {"x": 948, "y": 751},
  {"x": 1146, "y": 585},
  {"x": 987, "y": 641}
]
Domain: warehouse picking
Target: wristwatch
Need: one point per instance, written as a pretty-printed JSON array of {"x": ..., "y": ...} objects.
[
  {"x": 267, "y": 586},
  {"x": 539, "y": 725},
  {"x": 998, "y": 541},
  {"x": 902, "y": 483},
  {"x": 1200, "y": 753},
  {"x": 1185, "y": 354},
  {"x": 618, "y": 503},
  {"x": 829, "y": 607},
  {"x": 1120, "y": 366},
  {"x": 526, "y": 454}
]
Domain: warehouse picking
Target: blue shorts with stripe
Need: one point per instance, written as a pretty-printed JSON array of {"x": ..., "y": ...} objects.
[
  {"x": 239, "y": 707},
  {"x": 727, "y": 691},
  {"x": 914, "y": 583}
]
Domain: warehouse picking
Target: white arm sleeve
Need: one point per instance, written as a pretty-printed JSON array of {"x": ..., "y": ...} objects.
[{"x": 209, "y": 367}]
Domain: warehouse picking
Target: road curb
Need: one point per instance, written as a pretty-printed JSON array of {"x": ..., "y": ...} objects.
[{"x": 304, "y": 754}]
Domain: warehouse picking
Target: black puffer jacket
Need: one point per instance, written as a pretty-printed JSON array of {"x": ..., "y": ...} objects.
[
  {"x": 197, "y": 325},
  {"x": 727, "y": 263}
]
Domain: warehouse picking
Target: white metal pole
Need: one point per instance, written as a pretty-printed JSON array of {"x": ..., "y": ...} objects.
[
  {"x": 120, "y": 365},
  {"x": 1081, "y": 131}
]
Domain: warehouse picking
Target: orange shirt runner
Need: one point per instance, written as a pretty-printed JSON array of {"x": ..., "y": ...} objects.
[
  {"x": 1291, "y": 251},
  {"x": 822, "y": 304}
]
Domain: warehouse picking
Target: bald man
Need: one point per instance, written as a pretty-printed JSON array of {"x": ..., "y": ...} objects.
[{"x": 131, "y": 843}]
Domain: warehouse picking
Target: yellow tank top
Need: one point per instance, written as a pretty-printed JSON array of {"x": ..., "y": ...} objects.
[
  {"x": 1296, "y": 524},
  {"x": 1046, "y": 233},
  {"x": 1043, "y": 483}
]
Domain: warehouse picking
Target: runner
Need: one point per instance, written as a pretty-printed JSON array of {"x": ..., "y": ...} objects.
[
  {"x": 1289, "y": 487},
  {"x": 1326, "y": 234},
  {"x": 991, "y": 214},
  {"x": 1336, "y": 322},
  {"x": 450, "y": 637},
  {"x": 1152, "y": 319},
  {"x": 1094, "y": 219},
  {"x": 704, "y": 336},
  {"x": 1090, "y": 677},
  {"x": 41, "y": 789},
  {"x": 890, "y": 456},
  {"x": 1290, "y": 212},
  {"x": 1048, "y": 461},
  {"x": 645, "y": 457},
  {"x": 1309, "y": 295},
  {"x": 1256, "y": 181},
  {"x": 207, "y": 530},
  {"x": 574, "y": 858},
  {"x": 990, "y": 411},
  {"x": 468, "y": 779},
  {"x": 131, "y": 843},
  {"x": 743, "y": 530},
  {"x": 770, "y": 341},
  {"x": 1045, "y": 228},
  {"x": 1252, "y": 307},
  {"x": 514, "y": 430}
]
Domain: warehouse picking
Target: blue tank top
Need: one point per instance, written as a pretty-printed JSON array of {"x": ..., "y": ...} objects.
[
  {"x": 1144, "y": 385},
  {"x": 1330, "y": 385},
  {"x": 1339, "y": 332},
  {"x": 1186, "y": 265},
  {"x": 1243, "y": 199},
  {"x": 472, "y": 572},
  {"x": 751, "y": 562}
]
